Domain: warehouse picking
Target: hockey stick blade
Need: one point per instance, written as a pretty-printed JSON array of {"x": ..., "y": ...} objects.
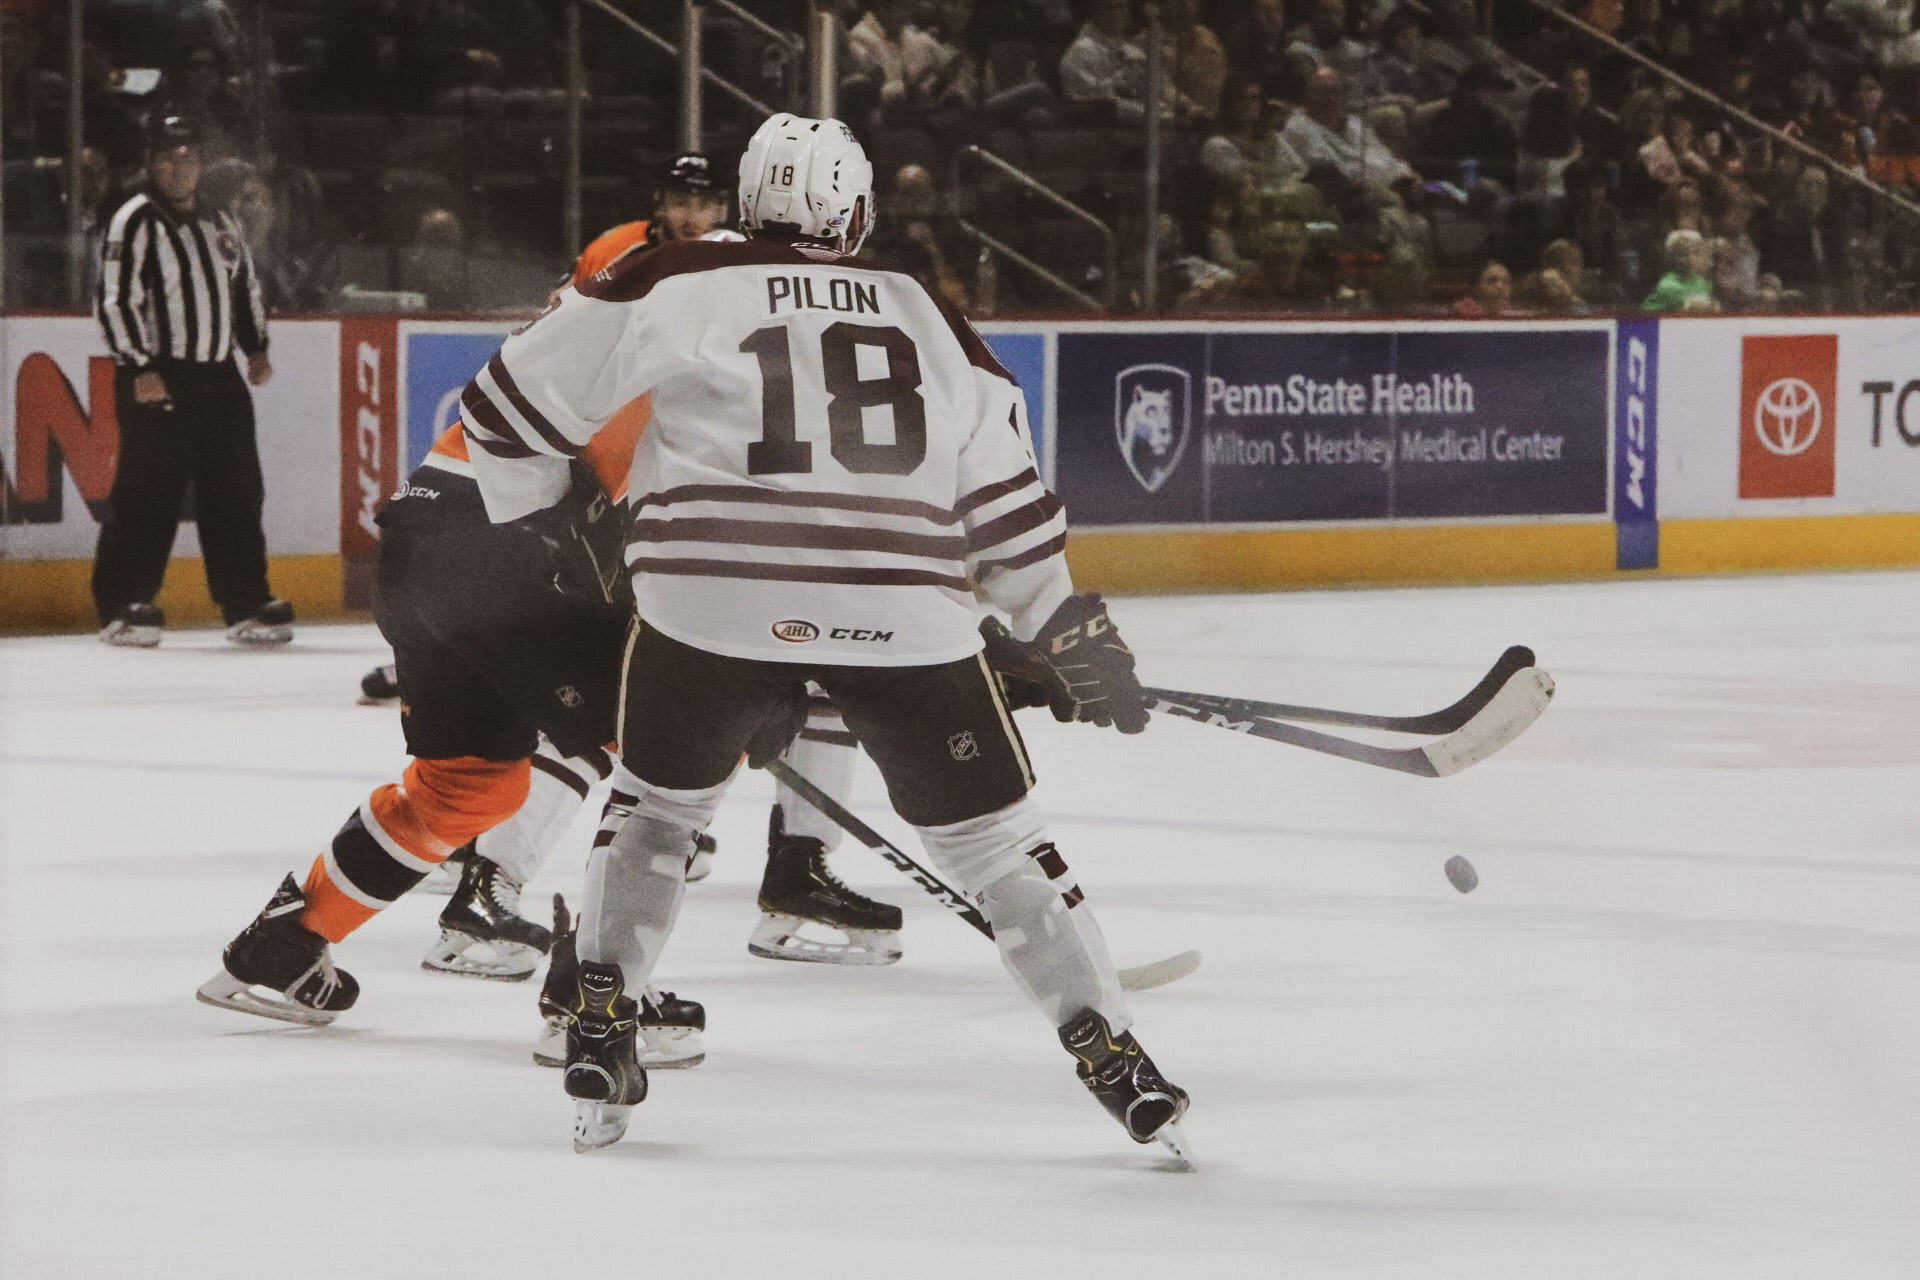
[
  {"x": 1144, "y": 978},
  {"x": 1514, "y": 659},
  {"x": 1520, "y": 702}
]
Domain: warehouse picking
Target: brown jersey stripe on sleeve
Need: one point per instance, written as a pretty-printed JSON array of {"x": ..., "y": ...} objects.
[
  {"x": 633, "y": 277},
  {"x": 869, "y": 503},
  {"x": 779, "y": 533},
  {"x": 1016, "y": 522},
  {"x": 525, "y": 407},
  {"x": 979, "y": 355},
  {"x": 511, "y": 449},
  {"x": 991, "y": 492},
  {"x": 842, "y": 575},
  {"x": 1032, "y": 555}
]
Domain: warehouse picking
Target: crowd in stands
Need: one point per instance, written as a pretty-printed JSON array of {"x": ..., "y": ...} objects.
[{"x": 1369, "y": 156}]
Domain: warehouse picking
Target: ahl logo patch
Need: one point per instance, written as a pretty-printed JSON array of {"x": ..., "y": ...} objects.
[
  {"x": 1152, "y": 414},
  {"x": 962, "y": 745},
  {"x": 795, "y": 631}
]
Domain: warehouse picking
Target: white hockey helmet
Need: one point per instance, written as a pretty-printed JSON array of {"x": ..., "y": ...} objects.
[{"x": 807, "y": 178}]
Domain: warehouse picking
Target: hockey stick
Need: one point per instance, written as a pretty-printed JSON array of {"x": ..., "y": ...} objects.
[
  {"x": 1143, "y": 978},
  {"x": 1454, "y": 717},
  {"x": 1520, "y": 702}
]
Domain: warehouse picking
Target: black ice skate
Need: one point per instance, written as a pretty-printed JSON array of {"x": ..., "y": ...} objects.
[
  {"x": 603, "y": 1076},
  {"x": 1118, "y": 1072},
  {"x": 482, "y": 934},
  {"x": 798, "y": 889},
  {"x": 669, "y": 1027},
  {"x": 380, "y": 685},
  {"x": 270, "y": 624},
  {"x": 138, "y": 626},
  {"x": 278, "y": 953}
]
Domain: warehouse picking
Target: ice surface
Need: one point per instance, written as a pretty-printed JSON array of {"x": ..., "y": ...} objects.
[{"x": 1675, "y": 1032}]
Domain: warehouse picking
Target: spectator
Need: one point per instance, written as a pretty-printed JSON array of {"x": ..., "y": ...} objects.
[
  {"x": 435, "y": 263},
  {"x": 1886, "y": 136},
  {"x": 1195, "y": 58},
  {"x": 1456, "y": 45},
  {"x": 1103, "y": 70},
  {"x": 1321, "y": 132},
  {"x": 1801, "y": 242},
  {"x": 878, "y": 42},
  {"x": 1671, "y": 157},
  {"x": 1259, "y": 45},
  {"x": 1243, "y": 216},
  {"x": 1279, "y": 279},
  {"x": 1397, "y": 67},
  {"x": 906, "y": 241},
  {"x": 1737, "y": 280},
  {"x": 1549, "y": 144},
  {"x": 1548, "y": 290},
  {"x": 1688, "y": 284},
  {"x": 293, "y": 277},
  {"x": 1324, "y": 42},
  {"x": 199, "y": 90},
  {"x": 1492, "y": 293},
  {"x": 1882, "y": 30},
  {"x": 1248, "y": 146},
  {"x": 942, "y": 75},
  {"x": 1594, "y": 223},
  {"x": 1471, "y": 127}
]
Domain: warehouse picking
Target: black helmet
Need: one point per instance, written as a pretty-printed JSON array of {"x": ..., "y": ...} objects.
[
  {"x": 172, "y": 132},
  {"x": 689, "y": 172}
]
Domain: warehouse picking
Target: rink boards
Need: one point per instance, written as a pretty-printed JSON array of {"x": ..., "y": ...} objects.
[{"x": 1194, "y": 455}]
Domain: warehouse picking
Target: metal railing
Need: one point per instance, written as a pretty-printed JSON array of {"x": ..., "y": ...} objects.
[
  {"x": 1027, "y": 181},
  {"x": 707, "y": 74},
  {"x": 1746, "y": 118}
]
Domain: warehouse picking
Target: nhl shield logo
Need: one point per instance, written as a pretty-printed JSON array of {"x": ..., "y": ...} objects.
[{"x": 1152, "y": 412}]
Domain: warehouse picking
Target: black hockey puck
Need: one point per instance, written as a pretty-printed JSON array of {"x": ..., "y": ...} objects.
[{"x": 1461, "y": 874}]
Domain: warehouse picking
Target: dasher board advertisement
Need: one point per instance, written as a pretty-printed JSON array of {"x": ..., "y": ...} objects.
[
  {"x": 1773, "y": 416},
  {"x": 1252, "y": 425},
  {"x": 60, "y": 438}
]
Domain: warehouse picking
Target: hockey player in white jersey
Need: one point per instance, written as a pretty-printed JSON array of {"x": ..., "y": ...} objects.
[{"x": 836, "y": 460}]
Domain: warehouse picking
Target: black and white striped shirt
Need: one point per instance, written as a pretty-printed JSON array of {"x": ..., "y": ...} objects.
[{"x": 177, "y": 286}]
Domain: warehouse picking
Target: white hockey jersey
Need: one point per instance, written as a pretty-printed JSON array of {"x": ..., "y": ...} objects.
[{"x": 835, "y": 458}]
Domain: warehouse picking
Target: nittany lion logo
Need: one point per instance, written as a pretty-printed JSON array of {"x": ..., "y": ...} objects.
[{"x": 1152, "y": 407}]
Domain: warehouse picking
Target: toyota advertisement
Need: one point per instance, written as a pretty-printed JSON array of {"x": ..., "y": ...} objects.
[
  {"x": 1278, "y": 425},
  {"x": 1789, "y": 416}
]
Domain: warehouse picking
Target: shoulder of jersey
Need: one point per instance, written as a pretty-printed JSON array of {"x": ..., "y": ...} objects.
[{"x": 635, "y": 275}]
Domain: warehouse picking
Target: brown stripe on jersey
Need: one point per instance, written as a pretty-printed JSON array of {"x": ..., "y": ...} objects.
[
  {"x": 535, "y": 419},
  {"x": 838, "y": 737},
  {"x": 781, "y": 498},
  {"x": 977, "y": 352},
  {"x": 1016, "y": 522},
  {"x": 603, "y": 837},
  {"x": 632, "y": 278},
  {"x": 504, "y": 441},
  {"x": 1032, "y": 555},
  {"x": 843, "y": 575},
  {"x": 1073, "y": 897},
  {"x": 987, "y": 493},
  {"x": 499, "y": 448},
  {"x": 781, "y": 533},
  {"x": 599, "y": 762},
  {"x": 554, "y": 769}
]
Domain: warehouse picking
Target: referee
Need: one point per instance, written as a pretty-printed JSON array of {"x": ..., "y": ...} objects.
[{"x": 177, "y": 293}]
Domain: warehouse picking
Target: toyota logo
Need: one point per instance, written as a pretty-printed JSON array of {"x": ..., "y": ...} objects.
[{"x": 1786, "y": 416}]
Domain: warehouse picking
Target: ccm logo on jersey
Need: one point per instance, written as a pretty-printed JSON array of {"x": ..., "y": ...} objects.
[{"x": 800, "y": 631}]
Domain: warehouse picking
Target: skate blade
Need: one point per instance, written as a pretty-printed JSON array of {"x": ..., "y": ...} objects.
[
  {"x": 499, "y": 961},
  {"x": 550, "y": 1050},
  {"x": 598, "y": 1124},
  {"x": 778, "y": 937},
  {"x": 667, "y": 1048},
  {"x": 224, "y": 991},
  {"x": 1171, "y": 1136}
]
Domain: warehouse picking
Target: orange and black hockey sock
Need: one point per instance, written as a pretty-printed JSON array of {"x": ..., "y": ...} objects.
[{"x": 402, "y": 832}]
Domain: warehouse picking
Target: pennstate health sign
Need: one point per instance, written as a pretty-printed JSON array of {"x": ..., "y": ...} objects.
[{"x": 1266, "y": 425}]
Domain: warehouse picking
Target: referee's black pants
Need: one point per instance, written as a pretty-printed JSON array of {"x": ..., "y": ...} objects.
[{"x": 205, "y": 435}]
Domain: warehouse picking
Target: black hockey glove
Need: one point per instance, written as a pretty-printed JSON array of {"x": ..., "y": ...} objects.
[
  {"x": 1027, "y": 679},
  {"x": 777, "y": 732},
  {"x": 1088, "y": 656},
  {"x": 586, "y": 539}
]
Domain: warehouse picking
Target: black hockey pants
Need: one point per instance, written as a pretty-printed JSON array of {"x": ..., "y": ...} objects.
[{"x": 205, "y": 435}]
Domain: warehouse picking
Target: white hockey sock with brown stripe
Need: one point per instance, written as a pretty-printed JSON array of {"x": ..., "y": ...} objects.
[{"x": 557, "y": 786}]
